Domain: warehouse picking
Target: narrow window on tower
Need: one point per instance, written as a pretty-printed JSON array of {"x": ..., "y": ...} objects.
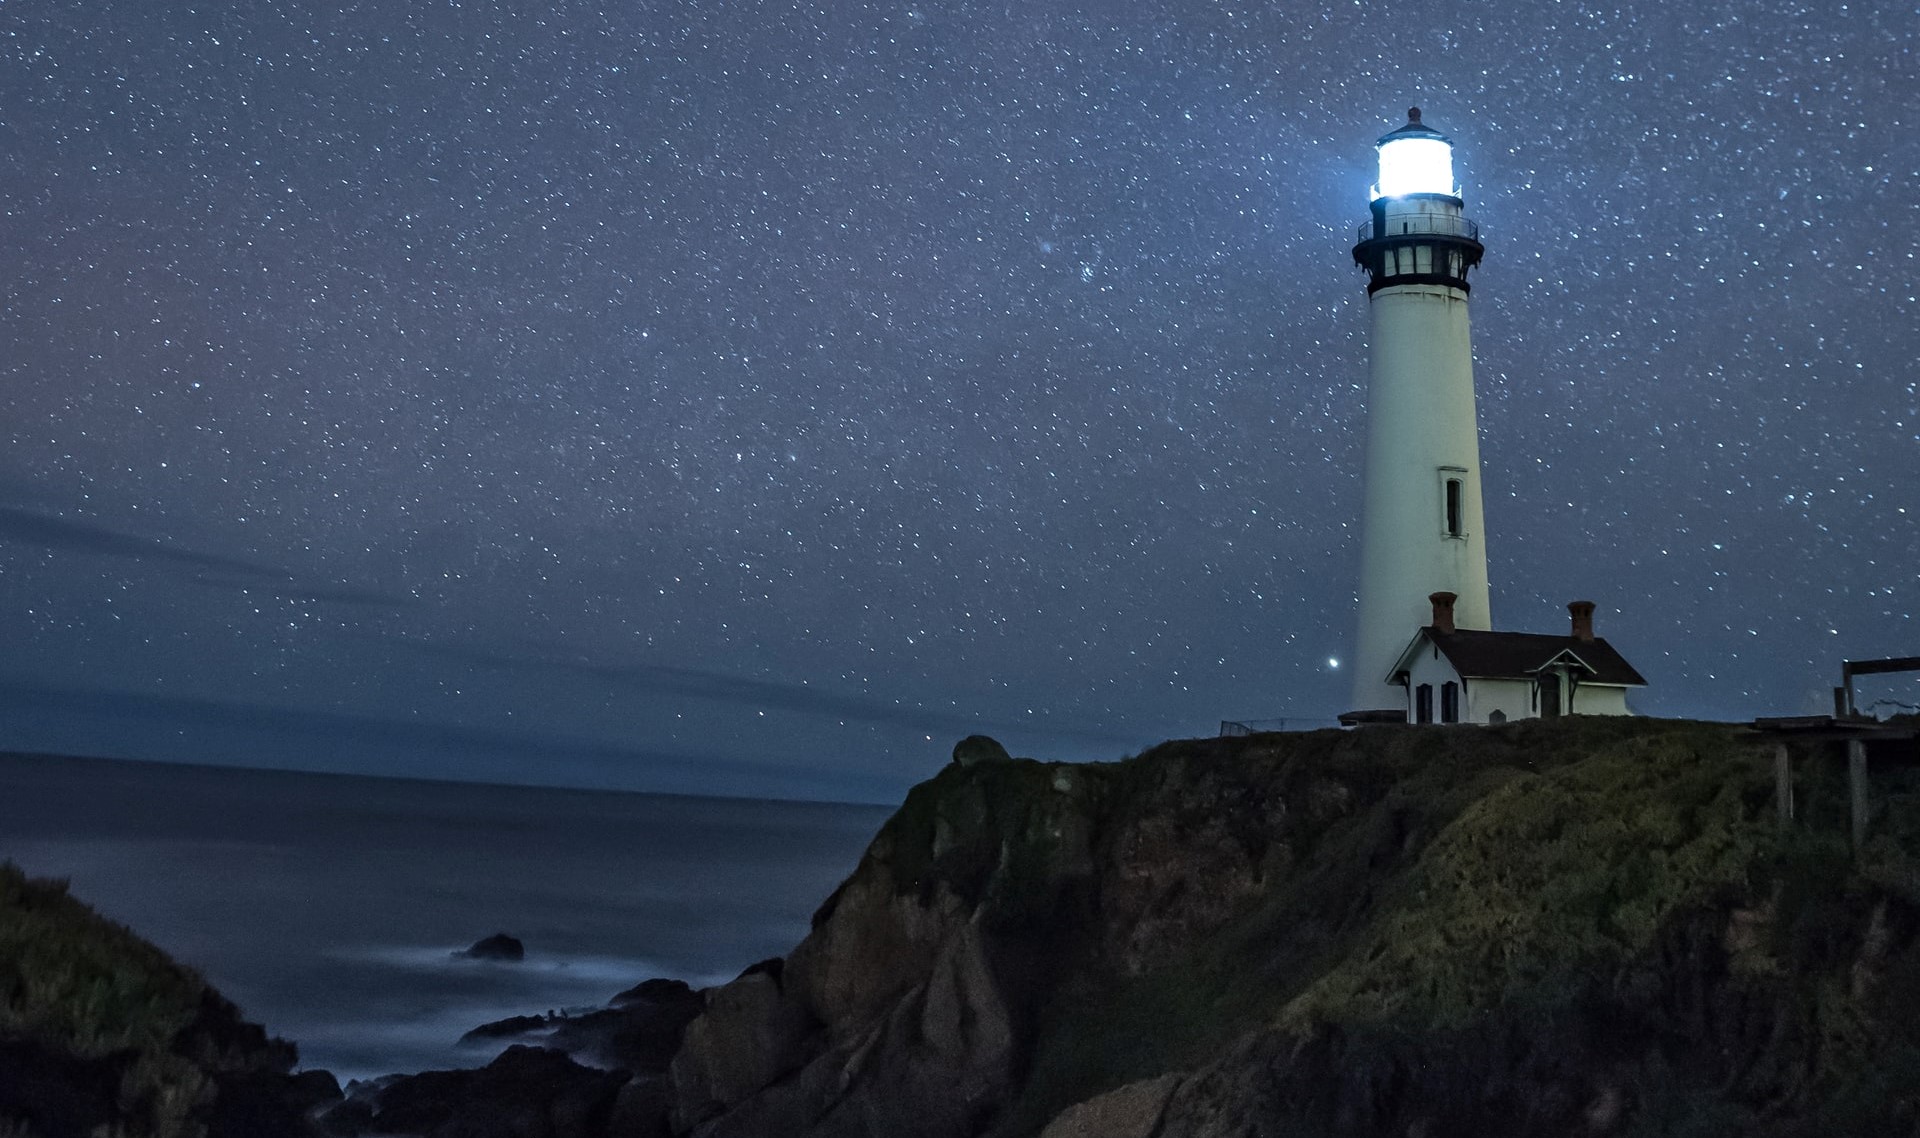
[{"x": 1453, "y": 518}]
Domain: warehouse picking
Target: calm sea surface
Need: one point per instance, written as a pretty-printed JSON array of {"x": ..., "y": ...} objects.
[{"x": 328, "y": 906}]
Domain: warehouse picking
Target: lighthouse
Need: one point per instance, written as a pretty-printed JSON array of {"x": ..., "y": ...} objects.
[{"x": 1423, "y": 531}]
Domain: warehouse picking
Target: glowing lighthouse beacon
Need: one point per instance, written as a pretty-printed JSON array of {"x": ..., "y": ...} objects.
[{"x": 1423, "y": 531}]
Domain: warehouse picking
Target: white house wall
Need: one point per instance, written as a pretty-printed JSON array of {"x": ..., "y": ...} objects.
[
  {"x": 1427, "y": 669},
  {"x": 1479, "y": 698},
  {"x": 1514, "y": 698},
  {"x": 1600, "y": 699}
]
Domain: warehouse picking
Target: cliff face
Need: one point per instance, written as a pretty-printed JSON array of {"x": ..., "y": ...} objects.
[
  {"x": 1581, "y": 927},
  {"x": 102, "y": 1033}
]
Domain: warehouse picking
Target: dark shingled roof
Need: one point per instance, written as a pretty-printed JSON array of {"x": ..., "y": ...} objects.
[{"x": 1519, "y": 655}]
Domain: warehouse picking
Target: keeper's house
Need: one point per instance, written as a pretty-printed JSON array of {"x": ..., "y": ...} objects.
[{"x": 1462, "y": 675}]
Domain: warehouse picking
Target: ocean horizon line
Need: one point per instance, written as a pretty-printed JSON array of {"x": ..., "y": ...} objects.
[{"x": 494, "y": 783}]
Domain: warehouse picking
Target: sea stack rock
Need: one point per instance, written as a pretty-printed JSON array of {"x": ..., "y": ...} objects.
[
  {"x": 499, "y": 946},
  {"x": 976, "y": 749}
]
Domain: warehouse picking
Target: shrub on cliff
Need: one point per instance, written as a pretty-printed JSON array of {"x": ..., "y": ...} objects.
[
  {"x": 99, "y": 1029},
  {"x": 1555, "y": 875}
]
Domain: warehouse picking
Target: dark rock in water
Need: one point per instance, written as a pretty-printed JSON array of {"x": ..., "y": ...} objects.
[
  {"x": 979, "y": 749},
  {"x": 499, "y": 946},
  {"x": 639, "y": 1035},
  {"x": 528, "y": 1092},
  {"x": 507, "y": 1028},
  {"x": 263, "y": 1102},
  {"x": 656, "y": 991}
]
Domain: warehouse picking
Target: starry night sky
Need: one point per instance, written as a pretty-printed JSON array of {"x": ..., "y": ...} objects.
[{"x": 755, "y": 397}]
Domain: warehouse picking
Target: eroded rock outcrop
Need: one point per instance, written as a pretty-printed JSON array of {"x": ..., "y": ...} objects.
[
  {"x": 585, "y": 1074},
  {"x": 1539, "y": 929},
  {"x": 527, "y": 1092},
  {"x": 997, "y": 886},
  {"x": 976, "y": 749},
  {"x": 1132, "y": 1111},
  {"x": 749, "y": 1034}
]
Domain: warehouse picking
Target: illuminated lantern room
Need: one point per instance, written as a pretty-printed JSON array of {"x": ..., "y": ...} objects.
[
  {"x": 1416, "y": 159},
  {"x": 1417, "y": 233}
]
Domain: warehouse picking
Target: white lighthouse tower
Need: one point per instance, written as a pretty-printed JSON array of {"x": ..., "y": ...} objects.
[{"x": 1423, "y": 531}]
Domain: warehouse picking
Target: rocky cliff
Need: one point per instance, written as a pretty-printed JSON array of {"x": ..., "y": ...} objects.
[{"x": 1577, "y": 927}]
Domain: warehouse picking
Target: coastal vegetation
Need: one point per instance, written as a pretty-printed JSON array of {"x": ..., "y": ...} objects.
[{"x": 102, "y": 1033}]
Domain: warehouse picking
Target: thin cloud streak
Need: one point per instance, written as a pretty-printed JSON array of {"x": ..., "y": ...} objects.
[
  {"x": 71, "y": 535},
  {"x": 725, "y": 687},
  {"x": 51, "y": 531},
  {"x": 480, "y": 755}
]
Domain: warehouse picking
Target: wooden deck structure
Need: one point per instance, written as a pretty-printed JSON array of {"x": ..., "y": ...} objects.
[
  {"x": 1859, "y": 735},
  {"x": 1856, "y": 737}
]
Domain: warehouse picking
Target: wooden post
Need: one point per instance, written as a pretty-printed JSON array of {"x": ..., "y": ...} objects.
[
  {"x": 1857, "y": 788},
  {"x": 1783, "y": 784}
]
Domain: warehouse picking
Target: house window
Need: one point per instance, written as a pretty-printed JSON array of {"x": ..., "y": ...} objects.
[
  {"x": 1423, "y": 704},
  {"x": 1449, "y": 702}
]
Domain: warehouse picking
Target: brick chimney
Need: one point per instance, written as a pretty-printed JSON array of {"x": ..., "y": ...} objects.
[
  {"x": 1442, "y": 611},
  {"x": 1582, "y": 613}
]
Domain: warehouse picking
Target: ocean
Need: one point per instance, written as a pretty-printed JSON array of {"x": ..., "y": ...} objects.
[{"x": 329, "y": 907}]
